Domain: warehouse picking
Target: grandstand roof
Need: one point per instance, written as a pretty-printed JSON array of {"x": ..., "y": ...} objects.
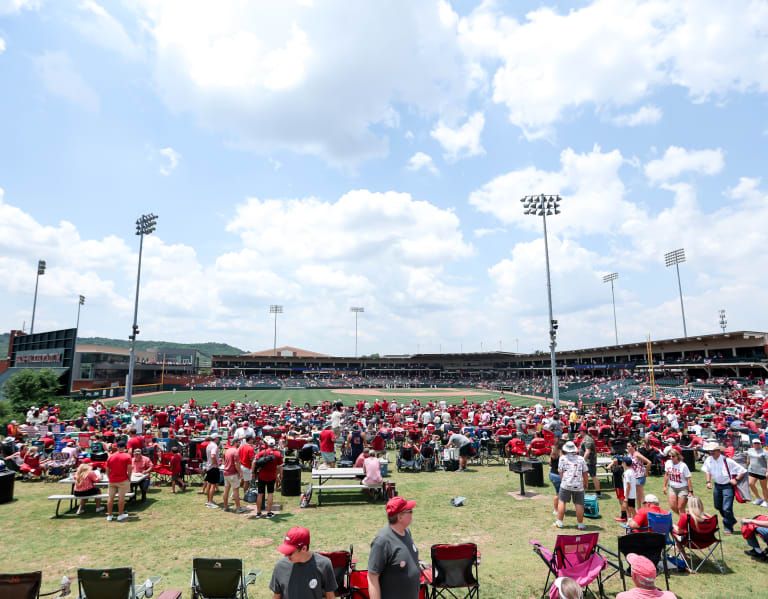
[{"x": 288, "y": 351}]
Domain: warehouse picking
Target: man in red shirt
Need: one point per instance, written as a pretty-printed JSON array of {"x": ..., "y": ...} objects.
[
  {"x": 267, "y": 474},
  {"x": 175, "y": 466},
  {"x": 246, "y": 454},
  {"x": 328, "y": 446},
  {"x": 134, "y": 441},
  {"x": 232, "y": 477},
  {"x": 119, "y": 469},
  {"x": 640, "y": 519}
]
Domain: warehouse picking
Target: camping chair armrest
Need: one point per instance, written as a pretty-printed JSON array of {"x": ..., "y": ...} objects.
[
  {"x": 251, "y": 577},
  {"x": 601, "y": 549},
  {"x": 141, "y": 589}
]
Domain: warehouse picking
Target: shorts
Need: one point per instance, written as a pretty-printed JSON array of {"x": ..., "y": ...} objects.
[
  {"x": 631, "y": 503},
  {"x": 757, "y": 476},
  {"x": 213, "y": 476},
  {"x": 233, "y": 480},
  {"x": 87, "y": 493},
  {"x": 246, "y": 474},
  {"x": 566, "y": 495},
  {"x": 120, "y": 488},
  {"x": 555, "y": 480},
  {"x": 620, "y": 494},
  {"x": 592, "y": 468},
  {"x": 466, "y": 451},
  {"x": 678, "y": 491},
  {"x": 328, "y": 456},
  {"x": 266, "y": 485},
  {"x": 641, "y": 480}
]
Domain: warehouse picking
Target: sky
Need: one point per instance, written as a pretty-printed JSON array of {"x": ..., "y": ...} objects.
[{"x": 321, "y": 155}]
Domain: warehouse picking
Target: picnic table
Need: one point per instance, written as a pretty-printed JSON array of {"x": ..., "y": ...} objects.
[
  {"x": 326, "y": 476},
  {"x": 136, "y": 486}
]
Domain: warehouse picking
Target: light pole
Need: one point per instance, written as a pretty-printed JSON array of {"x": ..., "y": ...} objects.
[
  {"x": 40, "y": 271},
  {"x": 145, "y": 225},
  {"x": 357, "y": 310},
  {"x": 543, "y": 206},
  {"x": 675, "y": 258},
  {"x": 275, "y": 309},
  {"x": 723, "y": 321},
  {"x": 610, "y": 279},
  {"x": 80, "y": 302}
]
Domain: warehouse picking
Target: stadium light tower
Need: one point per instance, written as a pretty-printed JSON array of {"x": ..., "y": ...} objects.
[
  {"x": 610, "y": 278},
  {"x": 675, "y": 258},
  {"x": 40, "y": 271},
  {"x": 145, "y": 225},
  {"x": 357, "y": 310},
  {"x": 275, "y": 309},
  {"x": 723, "y": 321},
  {"x": 80, "y": 302},
  {"x": 543, "y": 206}
]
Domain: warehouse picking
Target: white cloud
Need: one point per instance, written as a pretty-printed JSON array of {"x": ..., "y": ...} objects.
[
  {"x": 278, "y": 75},
  {"x": 60, "y": 78},
  {"x": 97, "y": 25},
  {"x": 645, "y": 115},
  {"x": 420, "y": 160},
  {"x": 677, "y": 161},
  {"x": 2, "y": 45},
  {"x": 615, "y": 53},
  {"x": 171, "y": 158},
  {"x": 462, "y": 142},
  {"x": 485, "y": 232},
  {"x": 11, "y": 7}
]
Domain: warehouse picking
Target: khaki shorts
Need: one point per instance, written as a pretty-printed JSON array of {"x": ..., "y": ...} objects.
[
  {"x": 119, "y": 488},
  {"x": 678, "y": 492},
  {"x": 246, "y": 474},
  {"x": 233, "y": 480}
]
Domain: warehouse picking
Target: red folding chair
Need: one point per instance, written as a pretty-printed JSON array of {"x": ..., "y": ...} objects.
[
  {"x": 454, "y": 571},
  {"x": 358, "y": 585},
  {"x": 161, "y": 472},
  {"x": 574, "y": 556},
  {"x": 342, "y": 569},
  {"x": 702, "y": 542}
]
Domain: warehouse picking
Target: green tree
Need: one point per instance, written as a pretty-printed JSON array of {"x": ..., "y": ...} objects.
[{"x": 31, "y": 387}]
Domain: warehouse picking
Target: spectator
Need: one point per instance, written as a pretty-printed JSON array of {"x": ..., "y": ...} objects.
[
  {"x": 725, "y": 474},
  {"x": 328, "y": 445},
  {"x": 301, "y": 573},
  {"x": 393, "y": 563},
  {"x": 567, "y": 588},
  {"x": 678, "y": 484},
  {"x": 232, "y": 477},
  {"x": 212, "y": 472},
  {"x": 356, "y": 442},
  {"x": 573, "y": 474},
  {"x": 246, "y": 454},
  {"x": 372, "y": 470},
  {"x": 640, "y": 520},
  {"x": 85, "y": 486},
  {"x": 640, "y": 465},
  {"x": 757, "y": 468},
  {"x": 464, "y": 445},
  {"x": 694, "y": 515},
  {"x": 588, "y": 450},
  {"x": 119, "y": 470},
  {"x": 141, "y": 464},
  {"x": 630, "y": 487},
  {"x": 751, "y": 528},
  {"x": 644, "y": 577},
  {"x": 554, "y": 472},
  {"x": 176, "y": 470},
  {"x": 269, "y": 462}
]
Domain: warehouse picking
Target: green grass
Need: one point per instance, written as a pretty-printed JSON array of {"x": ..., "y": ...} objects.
[
  {"x": 315, "y": 396},
  {"x": 163, "y": 535}
]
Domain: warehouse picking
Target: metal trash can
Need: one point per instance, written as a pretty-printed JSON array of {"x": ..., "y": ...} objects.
[
  {"x": 291, "y": 480},
  {"x": 689, "y": 457},
  {"x": 535, "y": 476},
  {"x": 7, "y": 479}
]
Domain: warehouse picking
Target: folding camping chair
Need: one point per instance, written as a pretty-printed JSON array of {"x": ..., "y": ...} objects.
[
  {"x": 454, "y": 571},
  {"x": 358, "y": 584},
  {"x": 111, "y": 583},
  {"x": 702, "y": 542},
  {"x": 662, "y": 524},
  {"x": 161, "y": 472},
  {"x": 27, "y": 586},
  {"x": 220, "y": 578},
  {"x": 575, "y": 556},
  {"x": 648, "y": 544},
  {"x": 342, "y": 569}
]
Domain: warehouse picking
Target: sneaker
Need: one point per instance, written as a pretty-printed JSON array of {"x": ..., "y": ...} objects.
[
  {"x": 213, "y": 506},
  {"x": 100, "y": 509},
  {"x": 757, "y": 501},
  {"x": 228, "y": 509},
  {"x": 259, "y": 515},
  {"x": 753, "y": 553},
  {"x": 764, "y": 503},
  {"x": 122, "y": 517},
  {"x": 109, "y": 518},
  {"x": 554, "y": 512},
  {"x": 242, "y": 510},
  {"x": 270, "y": 515},
  {"x": 581, "y": 526},
  {"x": 558, "y": 524}
]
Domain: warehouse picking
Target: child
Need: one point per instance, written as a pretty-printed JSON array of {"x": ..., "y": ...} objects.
[{"x": 630, "y": 487}]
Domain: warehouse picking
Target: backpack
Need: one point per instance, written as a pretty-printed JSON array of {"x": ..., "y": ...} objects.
[{"x": 263, "y": 461}]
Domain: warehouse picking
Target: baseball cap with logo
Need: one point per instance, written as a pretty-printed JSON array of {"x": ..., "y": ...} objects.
[
  {"x": 399, "y": 504},
  {"x": 295, "y": 539}
]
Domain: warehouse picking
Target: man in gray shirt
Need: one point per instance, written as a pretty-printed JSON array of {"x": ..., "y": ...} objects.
[
  {"x": 301, "y": 574},
  {"x": 393, "y": 564},
  {"x": 464, "y": 445}
]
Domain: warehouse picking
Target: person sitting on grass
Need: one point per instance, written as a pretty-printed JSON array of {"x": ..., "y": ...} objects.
[
  {"x": 85, "y": 486},
  {"x": 640, "y": 520},
  {"x": 644, "y": 577}
]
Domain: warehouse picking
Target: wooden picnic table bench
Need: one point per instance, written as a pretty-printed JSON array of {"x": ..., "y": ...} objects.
[{"x": 73, "y": 500}]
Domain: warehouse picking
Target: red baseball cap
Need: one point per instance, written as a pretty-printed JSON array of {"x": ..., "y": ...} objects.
[
  {"x": 399, "y": 504},
  {"x": 295, "y": 539}
]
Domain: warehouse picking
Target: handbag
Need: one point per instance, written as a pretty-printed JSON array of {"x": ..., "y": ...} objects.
[{"x": 738, "y": 493}]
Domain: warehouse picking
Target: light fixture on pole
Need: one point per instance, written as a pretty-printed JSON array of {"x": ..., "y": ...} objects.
[
  {"x": 675, "y": 258},
  {"x": 610, "y": 278},
  {"x": 543, "y": 206},
  {"x": 723, "y": 321},
  {"x": 40, "y": 271},
  {"x": 80, "y": 302},
  {"x": 275, "y": 309},
  {"x": 357, "y": 310},
  {"x": 145, "y": 225}
]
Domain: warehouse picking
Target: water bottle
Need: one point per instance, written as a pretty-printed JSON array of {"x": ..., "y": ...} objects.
[{"x": 148, "y": 588}]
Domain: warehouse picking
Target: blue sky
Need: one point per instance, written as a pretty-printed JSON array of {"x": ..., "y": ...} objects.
[{"x": 322, "y": 155}]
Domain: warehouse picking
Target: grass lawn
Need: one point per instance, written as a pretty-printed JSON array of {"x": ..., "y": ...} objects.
[
  {"x": 164, "y": 534},
  {"x": 317, "y": 396}
]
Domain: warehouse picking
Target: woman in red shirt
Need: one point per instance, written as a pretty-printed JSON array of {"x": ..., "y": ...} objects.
[{"x": 85, "y": 486}]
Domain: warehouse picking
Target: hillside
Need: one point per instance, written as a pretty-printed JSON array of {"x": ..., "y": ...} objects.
[{"x": 208, "y": 348}]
